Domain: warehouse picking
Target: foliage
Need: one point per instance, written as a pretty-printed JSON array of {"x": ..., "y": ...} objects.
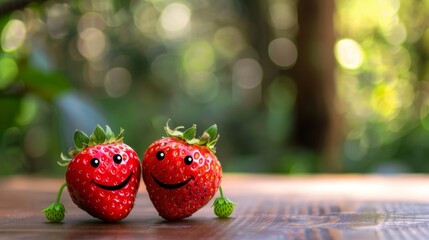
[{"x": 134, "y": 64}]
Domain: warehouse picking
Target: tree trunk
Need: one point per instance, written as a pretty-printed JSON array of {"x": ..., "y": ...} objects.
[{"x": 317, "y": 122}]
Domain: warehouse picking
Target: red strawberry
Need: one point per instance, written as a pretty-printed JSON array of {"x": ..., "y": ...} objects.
[
  {"x": 103, "y": 175},
  {"x": 182, "y": 173}
]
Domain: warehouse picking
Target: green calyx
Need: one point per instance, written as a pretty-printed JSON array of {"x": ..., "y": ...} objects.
[
  {"x": 208, "y": 139},
  {"x": 98, "y": 136}
]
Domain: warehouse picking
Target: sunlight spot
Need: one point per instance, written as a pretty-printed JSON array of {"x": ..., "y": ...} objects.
[
  {"x": 199, "y": 56},
  {"x": 91, "y": 20},
  {"x": 396, "y": 33},
  {"x": 388, "y": 8},
  {"x": 349, "y": 53},
  {"x": 145, "y": 19},
  {"x": 283, "y": 52},
  {"x": 228, "y": 41},
  {"x": 247, "y": 73},
  {"x": 13, "y": 35},
  {"x": 175, "y": 17},
  {"x": 385, "y": 101},
  {"x": 92, "y": 43},
  {"x": 283, "y": 15},
  {"x": 57, "y": 19}
]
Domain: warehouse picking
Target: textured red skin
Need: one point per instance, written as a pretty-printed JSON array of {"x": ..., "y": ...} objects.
[
  {"x": 178, "y": 203},
  {"x": 107, "y": 205}
]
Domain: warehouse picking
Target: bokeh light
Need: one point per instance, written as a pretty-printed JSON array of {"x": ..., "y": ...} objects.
[
  {"x": 349, "y": 54},
  {"x": 13, "y": 35},
  {"x": 145, "y": 19},
  {"x": 385, "y": 101},
  {"x": 283, "y": 52},
  {"x": 229, "y": 62},
  {"x": 283, "y": 14},
  {"x": 57, "y": 19},
  {"x": 199, "y": 56},
  {"x": 228, "y": 41},
  {"x": 396, "y": 33},
  {"x": 91, "y": 20},
  {"x": 92, "y": 43},
  {"x": 247, "y": 73},
  {"x": 175, "y": 18}
]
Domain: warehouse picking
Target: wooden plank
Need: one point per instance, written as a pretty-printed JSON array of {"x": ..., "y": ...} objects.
[{"x": 269, "y": 207}]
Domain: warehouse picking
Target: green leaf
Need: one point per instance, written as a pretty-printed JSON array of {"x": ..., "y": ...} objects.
[
  {"x": 110, "y": 136},
  {"x": 189, "y": 134},
  {"x": 212, "y": 132},
  {"x": 204, "y": 139},
  {"x": 81, "y": 140},
  {"x": 214, "y": 141},
  {"x": 173, "y": 133},
  {"x": 121, "y": 134},
  {"x": 97, "y": 137},
  {"x": 65, "y": 158},
  {"x": 211, "y": 146}
]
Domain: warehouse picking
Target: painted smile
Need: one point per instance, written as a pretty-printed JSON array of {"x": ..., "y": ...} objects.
[
  {"x": 172, "y": 186},
  {"x": 116, "y": 187}
]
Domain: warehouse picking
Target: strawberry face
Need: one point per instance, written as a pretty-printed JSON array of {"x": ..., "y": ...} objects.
[
  {"x": 102, "y": 177},
  {"x": 180, "y": 177},
  {"x": 103, "y": 180}
]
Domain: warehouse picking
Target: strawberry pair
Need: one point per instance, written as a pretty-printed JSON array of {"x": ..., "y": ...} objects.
[{"x": 181, "y": 174}]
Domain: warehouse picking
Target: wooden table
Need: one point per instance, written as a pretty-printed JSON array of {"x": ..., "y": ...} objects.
[{"x": 269, "y": 207}]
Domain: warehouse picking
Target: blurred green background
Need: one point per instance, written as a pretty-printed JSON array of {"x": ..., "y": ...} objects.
[{"x": 295, "y": 86}]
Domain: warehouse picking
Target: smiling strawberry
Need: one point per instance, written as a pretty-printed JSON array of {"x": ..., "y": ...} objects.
[
  {"x": 182, "y": 173},
  {"x": 103, "y": 175}
]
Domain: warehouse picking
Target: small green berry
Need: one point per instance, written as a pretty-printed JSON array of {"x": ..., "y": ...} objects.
[
  {"x": 223, "y": 207},
  {"x": 54, "y": 212}
]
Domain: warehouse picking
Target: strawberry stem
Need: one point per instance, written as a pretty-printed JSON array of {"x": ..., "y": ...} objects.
[
  {"x": 57, "y": 200},
  {"x": 220, "y": 191}
]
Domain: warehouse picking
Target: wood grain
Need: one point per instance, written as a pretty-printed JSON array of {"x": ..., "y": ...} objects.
[{"x": 269, "y": 207}]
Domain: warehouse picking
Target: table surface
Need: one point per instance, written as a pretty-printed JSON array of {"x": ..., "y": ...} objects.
[{"x": 269, "y": 207}]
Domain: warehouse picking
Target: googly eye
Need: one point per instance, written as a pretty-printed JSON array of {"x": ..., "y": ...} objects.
[
  {"x": 160, "y": 155},
  {"x": 95, "y": 162},
  {"x": 188, "y": 160},
  {"x": 117, "y": 158}
]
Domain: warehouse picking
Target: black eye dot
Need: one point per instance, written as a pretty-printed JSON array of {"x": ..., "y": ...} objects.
[
  {"x": 95, "y": 162},
  {"x": 160, "y": 155},
  {"x": 117, "y": 158},
  {"x": 188, "y": 160}
]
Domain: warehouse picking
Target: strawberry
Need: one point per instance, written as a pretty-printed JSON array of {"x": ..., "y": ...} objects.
[
  {"x": 182, "y": 173},
  {"x": 103, "y": 174}
]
